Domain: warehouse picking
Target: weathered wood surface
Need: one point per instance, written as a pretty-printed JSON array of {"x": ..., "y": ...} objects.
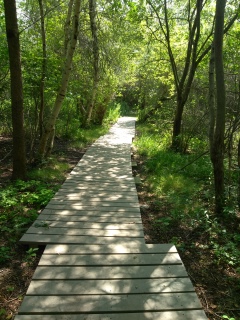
[
  {"x": 96, "y": 265},
  {"x": 162, "y": 315}
]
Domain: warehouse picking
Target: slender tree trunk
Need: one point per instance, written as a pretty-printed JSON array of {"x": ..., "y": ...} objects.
[
  {"x": 50, "y": 126},
  {"x": 95, "y": 47},
  {"x": 67, "y": 27},
  {"x": 211, "y": 102},
  {"x": 19, "y": 156},
  {"x": 238, "y": 159},
  {"x": 218, "y": 141},
  {"x": 44, "y": 66},
  {"x": 184, "y": 84},
  {"x": 177, "y": 126}
]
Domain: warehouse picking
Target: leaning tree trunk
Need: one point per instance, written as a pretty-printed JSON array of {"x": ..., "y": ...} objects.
[
  {"x": 218, "y": 139},
  {"x": 19, "y": 156},
  {"x": 50, "y": 126}
]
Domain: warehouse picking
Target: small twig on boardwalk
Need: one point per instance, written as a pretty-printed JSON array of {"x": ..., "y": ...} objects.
[{"x": 202, "y": 154}]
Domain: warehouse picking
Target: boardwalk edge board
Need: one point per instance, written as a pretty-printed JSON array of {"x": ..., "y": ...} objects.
[{"x": 96, "y": 264}]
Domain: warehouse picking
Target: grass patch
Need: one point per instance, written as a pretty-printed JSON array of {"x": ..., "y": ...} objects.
[
  {"x": 50, "y": 170},
  {"x": 85, "y": 137}
]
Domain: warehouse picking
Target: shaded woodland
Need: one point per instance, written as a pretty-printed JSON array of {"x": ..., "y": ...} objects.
[{"x": 69, "y": 69}]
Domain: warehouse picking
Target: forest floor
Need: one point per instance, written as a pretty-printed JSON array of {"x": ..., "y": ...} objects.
[{"x": 211, "y": 280}]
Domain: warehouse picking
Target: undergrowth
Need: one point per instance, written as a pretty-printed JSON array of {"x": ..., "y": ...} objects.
[
  {"x": 182, "y": 204},
  {"x": 21, "y": 201}
]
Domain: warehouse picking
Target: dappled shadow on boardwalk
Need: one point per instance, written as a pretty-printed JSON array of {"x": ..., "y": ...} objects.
[{"x": 96, "y": 265}]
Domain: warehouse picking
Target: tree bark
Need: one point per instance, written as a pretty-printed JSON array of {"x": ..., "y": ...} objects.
[
  {"x": 95, "y": 47},
  {"x": 44, "y": 66},
  {"x": 218, "y": 140},
  {"x": 185, "y": 82},
  {"x": 238, "y": 160},
  {"x": 50, "y": 126},
  {"x": 19, "y": 156},
  {"x": 211, "y": 102}
]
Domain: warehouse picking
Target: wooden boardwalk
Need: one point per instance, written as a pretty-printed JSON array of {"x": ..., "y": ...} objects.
[{"x": 96, "y": 265}]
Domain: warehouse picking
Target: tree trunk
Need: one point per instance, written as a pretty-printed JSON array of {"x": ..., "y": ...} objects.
[
  {"x": 211, "y": 102},
  {"x": 44, "y": 66},
  {"x": 238, "y": 159},
  {"x": 177, "y": 126},
  {"x": 218, "y": 141},
  {"x": 19, "y": 156},
  {"x": 95, "y": 47},
  {"x": 50, "y": 126}
]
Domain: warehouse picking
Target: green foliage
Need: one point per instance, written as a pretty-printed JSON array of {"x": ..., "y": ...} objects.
[
  {"x": 26, "y": 193},
  {"x": 51, "y": 170},
  {"x": 5, "y": 254},
  {"x": 183, "y": 185},
  {"x": 85, "y": 137},
  {"x": 31, "y": 254},
  {"x": 19, "y": 205},
  {"x": 113, "y": 113},
  {"x": 3, "y": 313},
  {"x": 227, "y": 317}
]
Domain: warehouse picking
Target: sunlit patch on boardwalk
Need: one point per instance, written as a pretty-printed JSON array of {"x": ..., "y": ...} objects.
[{"x": 96, "y": 265}]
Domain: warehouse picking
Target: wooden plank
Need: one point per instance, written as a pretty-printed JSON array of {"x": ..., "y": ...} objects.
[
  {"x": 103, "y": 186},
  {"x": 110, "y": 303},
  {"x": 101, "y": 196},
  {"x": 113, "y": 259},
  {"x": 97, "y": 163},
  {"x": 101, "y": 287},
  {"x": 43, "y": 239},
  {"x": 89, "y": 213},
  {"x": 108, "y": 152},
  {"x": 95, "y": 203},
  {"x": 110, "y": 272},
  {"x": 85, "y": 232},
  {"x": 88, "y": 225},
  {"x": 92, "y": 199},
  {"x": 113, "y": 209},
  {"x": 114, "y": 165},
  {"x": 115, "y": 219},
  {"x": 97, "y": 176},
  {"x": 122, "y": 246},
  {"x": 164, "y": 315},
  {"x": 114, "y": 180},
  {"x": 74, "y": 186},
  {"x": 89, "y": 193},
  {"x": 137, "y": 180}
]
